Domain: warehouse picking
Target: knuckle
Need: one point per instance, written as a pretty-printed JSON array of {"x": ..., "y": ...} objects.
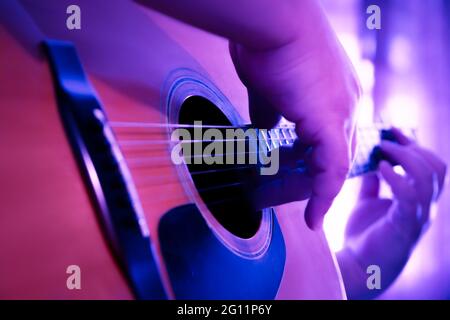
[
  {"x": 410, "y": 194},
  {"x": 429, "y": 177}
]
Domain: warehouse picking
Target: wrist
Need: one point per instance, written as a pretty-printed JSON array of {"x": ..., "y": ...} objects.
[{"x": 407, "y": 224}]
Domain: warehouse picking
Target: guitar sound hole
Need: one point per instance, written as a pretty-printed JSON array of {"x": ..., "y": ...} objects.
[{"x": 222, "y": 187}]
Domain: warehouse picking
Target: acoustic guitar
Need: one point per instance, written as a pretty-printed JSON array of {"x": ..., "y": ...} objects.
[{"x": 86, "y": 126}]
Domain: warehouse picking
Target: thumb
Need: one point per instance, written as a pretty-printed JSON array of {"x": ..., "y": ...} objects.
[
  {"x": 328, "y": 168},
  {"x": 370, "y": 187}
]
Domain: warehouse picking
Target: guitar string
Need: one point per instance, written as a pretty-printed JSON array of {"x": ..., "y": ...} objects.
[
  {"x": 272, "y": 137},
  {"x": 139, "y": 143},
  {"x": 150, "y": 125},
  {"x": 152, "y": 142},
  {"x": 155, "y": 125},
  {"x": 218, "y": 188},
  {"x": 176, "y": 179},
  {"x": 163, "y": 161},
  {"x": 209, "y": 204},
  {"x": 271, "y": 143},
  {"x": 275, "y": 143},
  {"x": 233, "y": 198},
  {"x": 180, "y": 180},
  {"x": 147, "y": 181},
  {"x": 149, "y": 142},
  {"x": 152, "y": 180}
]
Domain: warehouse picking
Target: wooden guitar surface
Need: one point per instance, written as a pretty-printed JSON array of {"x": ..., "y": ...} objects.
[{"x": 47, "y": 221}]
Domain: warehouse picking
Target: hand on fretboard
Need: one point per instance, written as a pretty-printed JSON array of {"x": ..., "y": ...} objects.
[{"x": 368, "y": 155}]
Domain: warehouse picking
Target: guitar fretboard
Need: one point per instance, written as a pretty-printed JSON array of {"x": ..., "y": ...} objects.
[{"x": 367, "y": 154}]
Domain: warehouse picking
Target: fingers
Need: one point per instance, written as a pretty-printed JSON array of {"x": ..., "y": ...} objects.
[
  {"x": 400, "y": 137},
  {"x": 425, "y": 175},
  {"x": 439, "y": 167},
  {"x": 417, "y": 168},
  {"x": 370, "y": 187},
  {"x": 402, "y": 189},
  {"x": 416, "y": 190},
  {"x": 328, "y": 167},
  {"x": 407, "y": 216}
]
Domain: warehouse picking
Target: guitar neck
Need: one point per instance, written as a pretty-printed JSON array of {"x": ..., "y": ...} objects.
[{"x": 367, "y": 155}]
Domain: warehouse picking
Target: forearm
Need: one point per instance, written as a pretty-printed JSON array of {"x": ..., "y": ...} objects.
[
  {"x": 256, "y": 24},
  {"x": 384, "y": 246}
]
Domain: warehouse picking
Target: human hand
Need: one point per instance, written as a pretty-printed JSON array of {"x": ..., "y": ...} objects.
[
  {"x": 383, "y": 232},
  {"x": 292, "y": 64},
  {"x": 310, "y": 82}
]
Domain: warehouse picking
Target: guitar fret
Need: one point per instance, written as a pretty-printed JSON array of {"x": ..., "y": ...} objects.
[
  {"x": 292, "y": 134},
  {"x": 368, "y": 138},
  {"x": 283, "y": 133},
  {"x": 277, "y": 134},
  {"x": 264, "y": 138},
  {"x": 273, "y": 140}
]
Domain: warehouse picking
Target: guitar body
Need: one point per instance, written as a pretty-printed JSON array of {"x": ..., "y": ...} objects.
[{"x": 48, "y": 221}]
